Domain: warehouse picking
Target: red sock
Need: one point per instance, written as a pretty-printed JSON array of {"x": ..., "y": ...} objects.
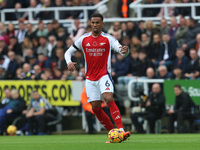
[
  {"x": 115, "y": 113},
  {"x": 103, "y": 118}
]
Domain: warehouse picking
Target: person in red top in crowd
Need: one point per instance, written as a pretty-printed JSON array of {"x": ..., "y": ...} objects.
[{"x": 96, "y": 47}]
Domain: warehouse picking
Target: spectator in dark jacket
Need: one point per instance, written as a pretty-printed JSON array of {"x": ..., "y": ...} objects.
[
  {"x": 193, "y": 67},
  {"x": 121, "y": 67},
  {"x": 163, "y": 73},
  {"x": 12, "y": 67},
  {"x": 190, "y": 35},
  {"x": 12, "y": 109},
  {"x": 155, "y": 107},
  {"x": 181, "y": 111},
  {"x": 167, "y": 52},
  {"x": 43, "y": 61},
  {"x": 181, "y": 60}
]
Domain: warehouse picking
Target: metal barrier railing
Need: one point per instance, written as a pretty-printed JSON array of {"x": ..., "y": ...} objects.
[{"x": 145, "y": 85}]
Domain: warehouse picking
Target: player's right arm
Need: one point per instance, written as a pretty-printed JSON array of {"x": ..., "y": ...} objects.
[{"x": 68, "y": 54}]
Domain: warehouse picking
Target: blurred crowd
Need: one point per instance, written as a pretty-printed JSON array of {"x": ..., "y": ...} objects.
[{"x": 164, "y": 51}]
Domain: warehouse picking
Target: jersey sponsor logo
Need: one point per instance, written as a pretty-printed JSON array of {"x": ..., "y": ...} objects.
[
  {"x": 101, "y": 44},
  {"x": 88, "y": 44}
]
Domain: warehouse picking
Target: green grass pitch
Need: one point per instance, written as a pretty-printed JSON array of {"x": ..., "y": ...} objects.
[{"x": 97, "y": 142}]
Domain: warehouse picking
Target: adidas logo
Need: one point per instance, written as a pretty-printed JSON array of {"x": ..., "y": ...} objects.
[
  {"x": 118, "y": 117},
  {"x": 88, "y": 44},
  {"x": 107, "y": 88}
]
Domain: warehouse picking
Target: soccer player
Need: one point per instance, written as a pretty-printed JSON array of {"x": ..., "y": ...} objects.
[{"x": 96, "y": 47}]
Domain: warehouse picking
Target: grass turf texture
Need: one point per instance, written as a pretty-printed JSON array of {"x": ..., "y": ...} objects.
[{"x": 97, "y": 142}]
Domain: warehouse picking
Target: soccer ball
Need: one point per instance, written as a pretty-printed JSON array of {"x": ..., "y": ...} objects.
[
  {"x": 115, "y": 136},
  {"x": 11, "y": 130}
]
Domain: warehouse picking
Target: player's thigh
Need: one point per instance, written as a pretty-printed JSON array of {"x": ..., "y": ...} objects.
[
  {"x": 92, "y": 91},
  {"x": 106, "y": 84}
]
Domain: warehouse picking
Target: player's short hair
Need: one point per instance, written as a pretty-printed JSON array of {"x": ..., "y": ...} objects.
[
  {"x": 97, "y": 15},
  {"x": 177, "y": 86}
]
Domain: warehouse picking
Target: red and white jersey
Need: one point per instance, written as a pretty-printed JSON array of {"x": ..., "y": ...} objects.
[{"x": 97, "y": 52}]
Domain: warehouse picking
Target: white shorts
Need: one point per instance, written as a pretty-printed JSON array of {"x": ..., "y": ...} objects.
[{"x": 94, "y": 89}]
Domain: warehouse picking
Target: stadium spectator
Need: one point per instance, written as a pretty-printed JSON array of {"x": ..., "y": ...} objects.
[
  {"x": 68, "y": 42},
  {"x": 15, "y": 46},
  {"x": 9, "y": 32},
  {"x": 12, "y": 67},
  {"x": 155, "y": 48},
  {"x": 145, "y": 43},
  {"x": 181, "y": 60},
  {"x": 37, "y": 73},
  {"x": 177, "y": 74},
  {"x": 28, "y": 53},
  {"x": 39, "y": 112},
  {"x": 164, "y": 28},
  {"x": 126, "y": 41},
  {"x": 3, "y": 46},
  {"x": 59, "y": 44},
  {"x": 46, "y": 15},
  {"x": 35, "y": 43},
  {"x": 155, "y": 108},
  {"x": 33, "y": 4},
  {"x": 2, "y": 74},
  {"x": 62, "y": 34},
  {"x": 170, "y": 10},
  {"x": 115, "y": 28},
  {"x": 27, "y": 44},
  {"x": 134, "y": 68},
  {"x": 47, "y": 75},
  {"x": 135, "y": 44},
  {"x": 121, "y": 67},
  {"x": 32, "y": 59},
  {"x": 55, "y": 26},
  {"x": 181, "y": 111},
  {"x": 167, "y": 51},
  {"x": 141, "y": 29},
  {"x": 192, "y": 71},
  {"x": 43, "y": 48},
  {"x": 2, "y": 28},
  {"x": 57, "y": 73},
  {"x": 132, "y": 29},
  {"x": 21, "y": 32},
  {"x": 173, "y": 27},
  {"x": 190, "y": 35},
  {"x": 51, "y": 44},
  {"x": 43, "y": 61},
  {"x": 31, "y": 31},
  {"x": 4, "y": 62},
  {"x": 19, "y": 76},
  {"x": 163, "y": 73},
  {"x": 60, "y": 63},
  {"x": 49, "y": 27},
  {"x": 41, "y": 31},
  {"x": 11, "y": 109},
  {"x": 124, "y": 31},
  {"x": 18, "y": 15},
  {"x": 180, "y": 33},
  {"x": 27, "y": 72},
  {"x": 78, "y": 30},
  {"x": 150, "y": 29}
]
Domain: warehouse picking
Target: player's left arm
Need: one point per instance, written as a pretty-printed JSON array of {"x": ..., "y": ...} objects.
[{"x": 116, "y": 46}]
